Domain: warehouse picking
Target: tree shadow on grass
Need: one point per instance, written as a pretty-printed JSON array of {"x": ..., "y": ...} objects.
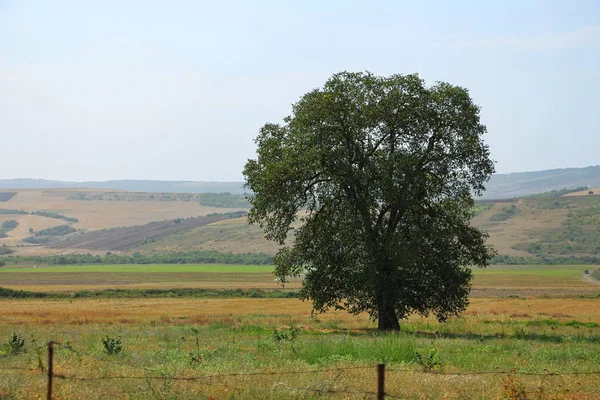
[{"x": 421, "y": 334}]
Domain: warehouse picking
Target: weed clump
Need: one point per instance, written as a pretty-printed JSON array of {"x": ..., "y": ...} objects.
[
  {"x": 289, "y": 335},
  {"x": 112, "y": 346},
  {"x": 196, "y": 357},
  {"x": 15, "y": 344},
  {"x": 513, "y": 389},
  {"x": 429, "y": 361}
]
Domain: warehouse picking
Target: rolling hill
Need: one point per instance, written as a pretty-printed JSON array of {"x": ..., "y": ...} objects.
[
  {"x": 500, "y": 186},
  {"x": 91, "y": 210},
  {"x": 521, "y": 184},
  {"x": 75, "y": 220}
]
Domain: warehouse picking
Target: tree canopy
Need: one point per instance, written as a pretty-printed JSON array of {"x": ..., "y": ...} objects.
[{"x": 380, "y": 171}]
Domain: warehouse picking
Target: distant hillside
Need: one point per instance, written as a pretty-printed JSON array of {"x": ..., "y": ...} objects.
[
  {"x": 550, "y": 225},
  {"x": 44, "y": 216},
  {"x": 39, "y": 222},
  {"x": 504, "y": 186},
  {"x": 129, "y": 185},
  {"x": 501, "y": 186}
]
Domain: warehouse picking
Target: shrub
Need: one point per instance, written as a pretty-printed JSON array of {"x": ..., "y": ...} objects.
[
  {"x": 479, "y": 208},
  {"x": 226, "y": 200},
  {"x": 192, "y": 257},
  {"x": 10, "y": 211},
  {"x": 14, "y": 345},
  {"x": 535, "y": 248},
  {"x": 51, "y": 214},
  {"x": 56, "y": 231},
  {"x": 505, "y": 213},
  {"x": 290, "y": 335},
  {"x": 428, "y": 361},
  {"x": 196, "y": 357},
  {"x": 9, "y": 225},
  {"x": 37, "y": 240},
  {"x": 112, "y": 346}
]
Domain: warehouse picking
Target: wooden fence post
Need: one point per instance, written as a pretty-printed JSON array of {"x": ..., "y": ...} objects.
[
  {"x": 50, "y": 372},
  {"x": 380, "y": 381}
]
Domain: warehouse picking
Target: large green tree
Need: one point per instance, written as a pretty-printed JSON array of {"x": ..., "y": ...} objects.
[{"x": 380, "y": 172}]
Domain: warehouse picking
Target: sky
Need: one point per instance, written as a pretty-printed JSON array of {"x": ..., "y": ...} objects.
[{"x": 178, "y": 90}]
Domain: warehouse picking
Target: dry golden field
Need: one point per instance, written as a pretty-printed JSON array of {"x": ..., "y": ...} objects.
[
  {"x": 538, "y": 220},
  {"x": 92, "y": 214},
  {"x": 99, "y": 214},
  {"x": 279, "y": 311},
  {"x": 25, "y": 222},
  {"x": 528, "y": 226},
  {"x": 596, "y": 192}
]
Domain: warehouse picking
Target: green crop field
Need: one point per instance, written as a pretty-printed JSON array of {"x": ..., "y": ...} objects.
[
  {"x": 140, "y": 268},
  {"x": 519, "y": 280},
  {"x": 566, "y": 271}
]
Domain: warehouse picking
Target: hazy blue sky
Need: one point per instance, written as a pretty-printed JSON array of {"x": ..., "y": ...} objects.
[{"x": 95, "y": 90}]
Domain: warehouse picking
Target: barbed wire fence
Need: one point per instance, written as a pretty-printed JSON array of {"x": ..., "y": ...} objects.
[{"x": 380, "y": 372}]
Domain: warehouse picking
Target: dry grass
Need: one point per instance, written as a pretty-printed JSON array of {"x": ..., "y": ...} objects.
[
  {"x": 235, "y": 337},
  {"x": 137, "y": 311},
  {"x": 510, "y": 237},
  {"x": 92, "y": 215},
  {"x": 314, "y": 385},
  {"x": 103, "y": 213},
  {"x": 25, "y": 222},
  {"x": 186, "y": 311},
  {"x": 52, "y": 282},
  {"x": 526, "y": 227},
  {"x": 585, "y": 192},
  {"x": 63, "y": 287},
  {"x": 155, "y": 334},
  {"x": 560, "y": 309},
  {"x": 532, "y": 281}
]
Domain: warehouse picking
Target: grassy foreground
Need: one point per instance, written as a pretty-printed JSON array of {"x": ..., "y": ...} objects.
[
  {"x": 185, "y": 348},
  {"x": 544, "y": 345}
]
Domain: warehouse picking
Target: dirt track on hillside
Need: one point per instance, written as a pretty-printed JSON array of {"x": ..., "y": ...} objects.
[{"x": 121, "y": 239}]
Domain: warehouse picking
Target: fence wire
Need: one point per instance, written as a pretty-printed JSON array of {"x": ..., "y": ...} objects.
[{"x": 152, "y": 374}]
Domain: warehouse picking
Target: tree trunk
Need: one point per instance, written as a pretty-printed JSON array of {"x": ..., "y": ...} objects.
[{"x": 387, "y": 319}]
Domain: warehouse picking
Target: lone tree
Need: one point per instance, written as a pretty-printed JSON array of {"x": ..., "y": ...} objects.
[{"x": 380, "y": 173}]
